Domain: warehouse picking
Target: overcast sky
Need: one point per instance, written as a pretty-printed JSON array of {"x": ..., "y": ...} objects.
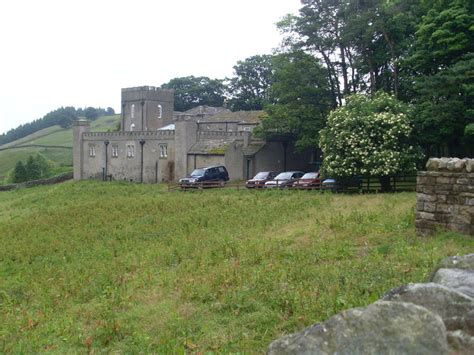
[{"x": 82, "y": 52}]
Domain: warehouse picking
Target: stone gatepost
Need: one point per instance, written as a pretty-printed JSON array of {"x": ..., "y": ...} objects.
[{"x": 445, "y": 196}]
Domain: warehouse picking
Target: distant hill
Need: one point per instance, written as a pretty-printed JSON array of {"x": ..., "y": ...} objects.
[{"x": 54, "y": 142}]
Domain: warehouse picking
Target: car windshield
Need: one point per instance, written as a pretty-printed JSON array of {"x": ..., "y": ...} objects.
[
  {"x": 284, "y": 176},
  {"x": 198, "y": 172},
  {"x": 262, "y": 175},
  {"x": 310, "y": 176}
]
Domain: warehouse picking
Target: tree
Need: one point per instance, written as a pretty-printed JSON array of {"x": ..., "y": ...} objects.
[
  {"x": 91, "y": 113},
  {"x": 19, "y": 173},
  {"x": 249, "y": 88},
  {"x": 441, "y": 64},
  {"x": 369, "y": 136},
  {"x": 193, "y": 91},
  {"x": 302, "y": 99}
]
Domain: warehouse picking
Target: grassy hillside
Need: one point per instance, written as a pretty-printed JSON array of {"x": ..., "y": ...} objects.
[
  {"x": 51, "y": 136},
  {"x": 143, "y": 270}
]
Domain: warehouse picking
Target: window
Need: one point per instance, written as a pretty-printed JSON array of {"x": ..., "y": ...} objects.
[
  {"x": 92, "y": 150},
  {"x": 130, "y": 151},
  {"x": 160, "y": 111},
  {"x": 115, "y": 151},
  {"x": 132, "y": 111},
  {"x": 163, "y": 151}
]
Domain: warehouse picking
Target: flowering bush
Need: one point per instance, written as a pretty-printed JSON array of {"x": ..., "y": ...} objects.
[{"x": 368, "y": 136}]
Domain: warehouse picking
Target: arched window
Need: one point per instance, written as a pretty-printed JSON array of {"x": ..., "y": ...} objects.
[
  {"x": 160, "y": 111},
  {"x": 132, "y": 111}
]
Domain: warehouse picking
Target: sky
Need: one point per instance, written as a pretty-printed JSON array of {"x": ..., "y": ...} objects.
[{"x": 82, "y": 52}]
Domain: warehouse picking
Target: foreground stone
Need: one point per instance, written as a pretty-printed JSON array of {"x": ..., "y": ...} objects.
[
  {"x": 455, "y": 308},
  {"x": 383, "y": 327},
  {"x": 458, "y": 279}
]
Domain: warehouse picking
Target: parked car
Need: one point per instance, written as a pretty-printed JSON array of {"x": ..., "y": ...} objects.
[
  {"x": 284, "y": 179},
  {"x": 308, "y": 180},
  {"x": 259, "y": 180},
  {"x": 344, "y": 184},
  {"x": 205, "y": 177}
]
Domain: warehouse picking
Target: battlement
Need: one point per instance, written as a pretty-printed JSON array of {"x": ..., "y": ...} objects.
[
  {"x": 131, "y": 134},
  {"x": 214, "y": 134},
  {"x": 143, "y": 93},
  {"x": 145, "y": 88}
]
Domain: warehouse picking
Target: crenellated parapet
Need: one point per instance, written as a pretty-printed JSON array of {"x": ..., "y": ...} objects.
[
  {"x": 219, "y": 134},
  {"x": 131, "y": 134}
]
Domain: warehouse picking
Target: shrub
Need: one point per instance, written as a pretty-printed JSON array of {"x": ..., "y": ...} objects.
[{"x": 369, "y": 136}]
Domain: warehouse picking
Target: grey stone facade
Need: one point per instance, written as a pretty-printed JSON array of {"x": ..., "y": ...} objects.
[
  {"x": 156, "y": 144},
  {"x": 445, "y": 196}
]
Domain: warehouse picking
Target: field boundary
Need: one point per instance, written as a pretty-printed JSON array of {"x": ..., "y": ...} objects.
[{"x": 49, "y": 181}]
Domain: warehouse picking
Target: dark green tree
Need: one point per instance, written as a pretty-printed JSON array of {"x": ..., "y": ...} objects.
[
  {"x": 19, "y": 173},
  {"x": 302, "y": 99},
  {"x": 193, "y": 91},
  {"x": 442, "y": 68},
  {"x": 249, "y": 88},
  {"x": 91, "y": 113}
]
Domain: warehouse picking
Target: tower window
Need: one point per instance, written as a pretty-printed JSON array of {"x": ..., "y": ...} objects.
[
  {"x": 163, "y": 151},
  {"x": 132, "y": 111},
  {"x": 160, "y": 111}
]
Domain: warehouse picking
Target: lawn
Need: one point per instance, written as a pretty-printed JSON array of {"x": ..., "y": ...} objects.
[{"x": 130, "y": 268}]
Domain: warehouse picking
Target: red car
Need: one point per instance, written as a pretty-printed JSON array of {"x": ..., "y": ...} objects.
[
  {"x": 260, "y": 179},
  {"x": 308, "y": 181}
]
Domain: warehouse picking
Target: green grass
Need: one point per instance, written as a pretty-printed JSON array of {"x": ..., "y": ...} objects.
[
  {"x": 51, "y": 136},
  {"x": 133, "y": 268}
]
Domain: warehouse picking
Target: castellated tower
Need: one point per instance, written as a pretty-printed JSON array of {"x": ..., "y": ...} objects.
[{"x": 146, "y": 108}]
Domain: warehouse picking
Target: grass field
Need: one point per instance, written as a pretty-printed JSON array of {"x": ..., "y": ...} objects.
[
  {"x": 51, "y": 136},
  {"x": 89, "y": 266}
]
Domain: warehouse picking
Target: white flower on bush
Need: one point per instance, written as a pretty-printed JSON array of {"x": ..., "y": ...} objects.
[{"x": 368, "y": 136}]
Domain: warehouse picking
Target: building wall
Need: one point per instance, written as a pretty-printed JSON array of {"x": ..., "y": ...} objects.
[
  {"x": 234, "y": 161},
  {"x": 127, "y": 165}
]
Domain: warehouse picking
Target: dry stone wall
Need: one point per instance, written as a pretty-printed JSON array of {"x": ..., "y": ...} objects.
[
  {"x": 436, "y": 317},
  {"x": 445, "y": 196}
]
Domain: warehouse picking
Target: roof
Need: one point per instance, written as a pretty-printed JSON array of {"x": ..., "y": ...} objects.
[
  {"x": 206, "y": 110},
  {"x": 252, "y": 148},
  {"x": 211, "y": 146},
  {"x": 250, "y": 117}
]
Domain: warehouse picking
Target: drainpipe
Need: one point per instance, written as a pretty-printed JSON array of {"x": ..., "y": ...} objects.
[
  {"x": 142, "y": 143},
  {"x": 106, "y": 159}
]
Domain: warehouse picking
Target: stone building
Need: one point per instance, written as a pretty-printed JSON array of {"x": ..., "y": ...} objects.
[{"x": 156, "y": 144}]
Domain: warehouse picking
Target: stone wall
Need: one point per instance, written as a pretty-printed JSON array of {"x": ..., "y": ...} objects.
[
  {"x": 445, "y": 196},
  {"x": 49, "y": 181},
  {"x": 426, "y": 318}
]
